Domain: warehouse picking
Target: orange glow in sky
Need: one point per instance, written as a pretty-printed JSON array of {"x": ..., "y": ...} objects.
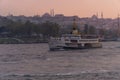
[{"x": 82, "y": 8}]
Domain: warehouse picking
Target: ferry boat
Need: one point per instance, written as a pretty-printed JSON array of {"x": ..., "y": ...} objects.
[{"x": 74, "y": 41}]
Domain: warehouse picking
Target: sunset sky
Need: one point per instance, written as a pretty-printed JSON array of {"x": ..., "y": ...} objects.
[{"x": 82, "y": 8}]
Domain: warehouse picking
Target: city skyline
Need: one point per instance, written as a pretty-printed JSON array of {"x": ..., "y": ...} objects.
[{"x": 81, "y": 8}]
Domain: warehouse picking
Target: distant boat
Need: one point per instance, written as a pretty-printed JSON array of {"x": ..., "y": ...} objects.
[
  {"x": 74, "y": 41},
  {"x": 118, "y": 39}
]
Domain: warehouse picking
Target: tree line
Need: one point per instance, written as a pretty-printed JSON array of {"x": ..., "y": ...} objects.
[
  {"x": 47, "y": 29},
  {"x": 29, "y": 29}
]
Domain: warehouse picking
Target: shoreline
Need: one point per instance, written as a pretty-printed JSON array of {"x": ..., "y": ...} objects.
[
  {"x": 81, "y": 76},
  {"x": 12, "y": 40}
]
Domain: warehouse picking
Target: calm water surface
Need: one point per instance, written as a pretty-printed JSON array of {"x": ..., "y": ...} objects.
[{"x": 37, "y": 59}]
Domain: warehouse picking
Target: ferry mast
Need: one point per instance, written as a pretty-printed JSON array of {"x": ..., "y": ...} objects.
[{"x": 75, "y": 30}]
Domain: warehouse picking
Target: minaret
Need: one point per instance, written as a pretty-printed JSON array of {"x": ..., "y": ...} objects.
[
  {"x": 102, "y": 20},
  {"x": 52, "y": 12},
  {"x": 118, "y": 25},
  {"x": 97, "y": 14},
  {"x": 101, "y": 15},
  {"x": 101, "y": 35}
]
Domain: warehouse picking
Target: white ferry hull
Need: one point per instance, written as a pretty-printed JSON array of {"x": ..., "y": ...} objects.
[
  {"x": 86, "y": 46},
  {"x": 75, "y": 46}
]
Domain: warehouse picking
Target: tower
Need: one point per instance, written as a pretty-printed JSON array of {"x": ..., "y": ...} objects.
[
  {"x": 52, "y": 12},
  {"x": 102, "y": 15}
]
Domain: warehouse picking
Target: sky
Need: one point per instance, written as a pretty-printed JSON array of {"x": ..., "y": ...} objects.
[{"x": 82, "y": 8}]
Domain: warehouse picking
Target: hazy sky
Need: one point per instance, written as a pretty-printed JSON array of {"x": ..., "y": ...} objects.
[{"x": 82, "y": 8}]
